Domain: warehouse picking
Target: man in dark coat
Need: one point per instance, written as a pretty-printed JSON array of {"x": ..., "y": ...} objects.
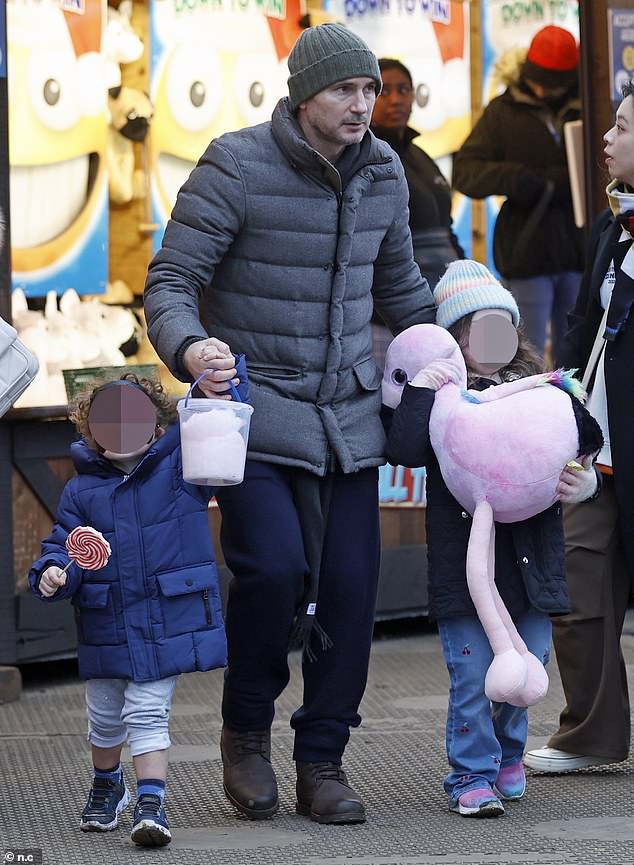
[
  {"x": 279, "y": 243},
  {"x": 517, "y": 150},
  {"x": 595, "y": 723}
]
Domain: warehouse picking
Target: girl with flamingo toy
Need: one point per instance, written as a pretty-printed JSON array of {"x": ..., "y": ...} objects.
[{"x": 494, "y": 456}]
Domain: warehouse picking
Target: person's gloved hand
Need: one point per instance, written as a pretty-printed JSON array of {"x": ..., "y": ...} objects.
[
  {"x": 558, "y": 175},
  {"x": 51, "y": 580},
  {"x": 577, "y": 484},
  {"x": 437, "y": 373}
]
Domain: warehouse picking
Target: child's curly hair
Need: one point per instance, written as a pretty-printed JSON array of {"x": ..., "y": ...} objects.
[{"x": 166, "y": 413}]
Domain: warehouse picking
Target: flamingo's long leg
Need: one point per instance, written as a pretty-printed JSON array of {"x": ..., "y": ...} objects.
[
  {"x": 536, "y": 685},
  {"x": 481, "y": 578},
  {"x": 506, "y": 676}
]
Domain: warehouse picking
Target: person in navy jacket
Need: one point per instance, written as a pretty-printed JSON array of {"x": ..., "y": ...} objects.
[{"x": 153, "y": 610}]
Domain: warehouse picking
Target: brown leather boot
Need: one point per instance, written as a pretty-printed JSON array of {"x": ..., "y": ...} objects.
[
  {"x": 249, "y": 779},
  {"x": 324, "y": 795}
]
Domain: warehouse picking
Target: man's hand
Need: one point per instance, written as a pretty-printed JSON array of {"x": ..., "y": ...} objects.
[
  {"x": 51, "y": 580},
  {"x": 577, "y": 482},
  {"x": 214, "y": 355}
]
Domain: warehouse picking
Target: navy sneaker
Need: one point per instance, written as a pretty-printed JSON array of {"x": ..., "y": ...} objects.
[
  {"x": 150, "y": 827},
  {"x": 106, "y": 801}
]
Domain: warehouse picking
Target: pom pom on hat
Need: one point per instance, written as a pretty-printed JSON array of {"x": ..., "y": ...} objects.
[
  {"x": 553, "y": 57},
  {"x": 324, "y": 55},
  {"x": 468, "y": 286}
]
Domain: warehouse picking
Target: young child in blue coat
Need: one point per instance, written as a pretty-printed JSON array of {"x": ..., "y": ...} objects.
[{"x": 153, "y": 610}]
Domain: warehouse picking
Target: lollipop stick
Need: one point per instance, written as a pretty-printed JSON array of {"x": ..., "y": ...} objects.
[{"x": 63, "y": 573}]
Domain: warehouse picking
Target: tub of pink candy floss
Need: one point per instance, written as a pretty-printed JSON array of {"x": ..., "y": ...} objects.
[{"x": 214, "y": 436}]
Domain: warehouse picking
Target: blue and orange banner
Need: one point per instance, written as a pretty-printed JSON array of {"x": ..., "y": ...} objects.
[{"x": 402, "y": 486}]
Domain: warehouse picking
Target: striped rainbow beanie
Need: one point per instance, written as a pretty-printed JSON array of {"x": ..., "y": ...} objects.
[{"x": 466, "y": 287}]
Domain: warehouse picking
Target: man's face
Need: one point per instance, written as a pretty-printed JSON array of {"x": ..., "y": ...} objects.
[
  {"x": 338, "y": 116},
  {"x": 619, "y": 144},
  {"x": 492, "y": 341},
  {"x": 547, "y": 94}
]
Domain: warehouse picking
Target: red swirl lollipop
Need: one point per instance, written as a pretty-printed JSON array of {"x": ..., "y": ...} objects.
[{"x": 88, "y": 548}]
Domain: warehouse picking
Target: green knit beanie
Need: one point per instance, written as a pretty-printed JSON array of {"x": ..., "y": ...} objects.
[{"x": 324, "y": 55}]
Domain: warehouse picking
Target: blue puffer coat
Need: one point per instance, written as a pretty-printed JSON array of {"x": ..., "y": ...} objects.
[{"x": 154, "y": 610}]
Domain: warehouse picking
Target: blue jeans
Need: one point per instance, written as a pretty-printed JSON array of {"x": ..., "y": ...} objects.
[
  {"x": 544, "y": 299},
  {"x": 482, "y": 737}
]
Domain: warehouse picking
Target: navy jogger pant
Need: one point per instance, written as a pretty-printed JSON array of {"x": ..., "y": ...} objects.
[{"x": 262, "y": 543}]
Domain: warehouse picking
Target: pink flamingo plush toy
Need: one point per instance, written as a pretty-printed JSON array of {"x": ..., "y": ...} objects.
[{"x": 530, "y": 426}]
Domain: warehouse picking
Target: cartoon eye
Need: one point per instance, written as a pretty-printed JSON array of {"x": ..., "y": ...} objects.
[
  {"x": 399, "y": 376},
  {"x": 259, "y": 83},
  {"x": 194, "y": 86},
  {"x": 429, "y": 110},
  {"x": 52, "y": 89},
  {"x": 422, "y": 94}
]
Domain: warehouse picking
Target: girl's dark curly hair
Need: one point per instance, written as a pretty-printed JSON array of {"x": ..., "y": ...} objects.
[
  {"x": 166, "y": 413},
  {"x": 526, "y": 360}
]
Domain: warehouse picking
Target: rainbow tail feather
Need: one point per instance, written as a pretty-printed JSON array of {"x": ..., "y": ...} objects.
[{"x": 565, "y": 380}]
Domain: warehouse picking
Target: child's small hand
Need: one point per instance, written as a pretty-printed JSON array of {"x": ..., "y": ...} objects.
[
  {"x": 578, "y": 481},
  {"x": 437, "y": 373},
  {"x": 51, "y": 580}
]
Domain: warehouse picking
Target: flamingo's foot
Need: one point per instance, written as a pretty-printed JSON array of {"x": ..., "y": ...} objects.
[
  {"x": 536, "y": 686},
  {"x": 506, "y": 677}
]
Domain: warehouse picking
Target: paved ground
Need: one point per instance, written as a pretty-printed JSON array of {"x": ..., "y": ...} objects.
[{"x": 395, "y": 759}]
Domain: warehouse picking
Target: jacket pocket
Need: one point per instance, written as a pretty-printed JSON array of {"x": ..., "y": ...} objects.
[
  {"x": 268, "y": 371},
  {"x": 94, "y": 615},
  {"x": 189, "y": 598},
  {"x": 367, "y": 374}
]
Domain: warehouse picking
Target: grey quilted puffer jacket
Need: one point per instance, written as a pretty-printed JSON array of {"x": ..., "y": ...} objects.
[{"x": 284, "y": 262}]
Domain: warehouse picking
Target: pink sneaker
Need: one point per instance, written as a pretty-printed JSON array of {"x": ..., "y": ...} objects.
[
  {"x": 511, "y": 782},
  {"x": 481, "y": 802}
]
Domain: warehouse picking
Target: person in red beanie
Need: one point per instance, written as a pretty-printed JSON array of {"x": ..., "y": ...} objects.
[{"x": 516, "y": 149}]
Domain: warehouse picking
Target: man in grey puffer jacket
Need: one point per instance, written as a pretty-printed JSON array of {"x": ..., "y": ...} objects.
[{"x": 280, "y": 242}]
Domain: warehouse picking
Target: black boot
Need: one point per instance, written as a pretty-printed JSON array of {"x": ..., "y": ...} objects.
[
  {"x": 324, "y": 795},
  {"x": 249, "y": 779}
]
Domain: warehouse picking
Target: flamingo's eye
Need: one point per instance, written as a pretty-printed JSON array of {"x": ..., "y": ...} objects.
[{"x": 399, "y": 376}]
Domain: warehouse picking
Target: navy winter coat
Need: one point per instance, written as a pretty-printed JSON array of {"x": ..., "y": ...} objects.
[
  {"x": 583, "y": 323},
  {"x": 154, "y": 610}
]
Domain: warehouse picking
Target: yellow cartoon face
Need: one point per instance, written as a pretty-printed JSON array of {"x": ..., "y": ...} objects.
[
  {"x": 220, "y": 73},
  {"x": 57, "y": 131},
  {"x": 436, "y": 54}
]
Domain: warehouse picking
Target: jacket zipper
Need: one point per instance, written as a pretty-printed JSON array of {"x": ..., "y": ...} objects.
[
  {"x": 208, "y": 615},
  {"x": 80, "y": 625}
]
